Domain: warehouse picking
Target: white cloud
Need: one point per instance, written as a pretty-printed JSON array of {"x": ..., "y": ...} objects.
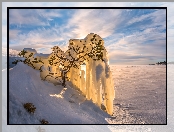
[
  {"x": 32, "y": 16},
  {"x": 87, "y": 21},
  {"x": 13, "y": 34},
  {"x": 36, "y": 38},
  {"x": 138, "y": 19},
  {"x": 135, "y": 46},
  {"x": 158, "y": 18},
  {"x": 101, "y": 22}
]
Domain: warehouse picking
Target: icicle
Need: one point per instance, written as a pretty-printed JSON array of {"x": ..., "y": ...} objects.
[{"x": 82, "y": 82}]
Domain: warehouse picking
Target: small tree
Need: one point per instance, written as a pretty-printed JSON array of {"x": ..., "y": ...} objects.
[{"x": 29, "y": 58}]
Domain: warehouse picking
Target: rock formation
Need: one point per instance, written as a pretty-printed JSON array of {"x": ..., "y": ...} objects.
[{"x": 85, "y": 64}]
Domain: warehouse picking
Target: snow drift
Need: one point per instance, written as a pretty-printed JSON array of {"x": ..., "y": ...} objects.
[{"x": 68, "y": 107}]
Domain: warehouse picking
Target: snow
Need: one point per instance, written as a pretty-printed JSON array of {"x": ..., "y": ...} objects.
[
  {"x": 28, "y": 87},
  {"x": 141, "y": 90},
  {"x": 12, "y": 59},
  {"x": 170, "y": 115},
  {"x": 15, "y": 99},
  {"x": 59, "y": 95}
]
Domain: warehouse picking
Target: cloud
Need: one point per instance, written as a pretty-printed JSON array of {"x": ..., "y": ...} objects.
[
  {"x": 40, "y": 38},
  {"x": 82, "y": 23},
  {"x": 156, "y": 16},
  {"x": 101, "y": 22},
  {"x": 143, "y": 47},
  {"x": 13, "y": 34},
  {"x": 123, "y": 58},
  {"x": 36, "y": 46},
  {"x": 82, "y": 19},
  {"x": 34, "y": 17},
  {"x": 144, "y": 43}
]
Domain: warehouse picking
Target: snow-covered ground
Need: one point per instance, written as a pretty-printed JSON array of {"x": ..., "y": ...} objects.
[
  {"x": 141, "y": 91},
  {"x": 71, "y": 107},
  {"x": 131, "y": 104},
  {"x": 170, "y": 114},
  {"x": 140, "y": 98}
]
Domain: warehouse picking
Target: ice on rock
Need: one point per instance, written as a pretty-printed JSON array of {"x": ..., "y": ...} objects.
[{"x": 94, "y": 79}]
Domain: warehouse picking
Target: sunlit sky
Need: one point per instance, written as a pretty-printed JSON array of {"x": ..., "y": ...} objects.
[{"x": 132, "y": 36}]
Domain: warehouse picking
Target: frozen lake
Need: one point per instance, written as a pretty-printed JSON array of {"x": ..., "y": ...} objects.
[{"x": 141, "y": 91}]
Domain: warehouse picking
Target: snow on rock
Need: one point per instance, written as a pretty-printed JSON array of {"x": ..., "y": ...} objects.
[{"x": 95, "y": 81}]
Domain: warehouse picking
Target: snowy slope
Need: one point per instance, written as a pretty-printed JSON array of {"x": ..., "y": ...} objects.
[
  {"x": 26, "y": 86},
  {"x": 11, "y": 59}
]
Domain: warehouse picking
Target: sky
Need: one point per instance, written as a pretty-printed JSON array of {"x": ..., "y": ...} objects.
[{"x": 132, "y": 36}]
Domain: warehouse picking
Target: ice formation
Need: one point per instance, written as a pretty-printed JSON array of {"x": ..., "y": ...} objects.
[{"x": 85, "y": 64}]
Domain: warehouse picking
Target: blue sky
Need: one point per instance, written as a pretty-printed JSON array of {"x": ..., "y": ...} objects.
[{"x": 131, "y": 36}]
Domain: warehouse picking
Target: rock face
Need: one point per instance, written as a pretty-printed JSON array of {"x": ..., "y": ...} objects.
[{"x": 85, "y": 64}]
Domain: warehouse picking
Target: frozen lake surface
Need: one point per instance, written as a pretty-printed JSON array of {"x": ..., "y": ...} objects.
[{"x": 141, "y": 91}]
